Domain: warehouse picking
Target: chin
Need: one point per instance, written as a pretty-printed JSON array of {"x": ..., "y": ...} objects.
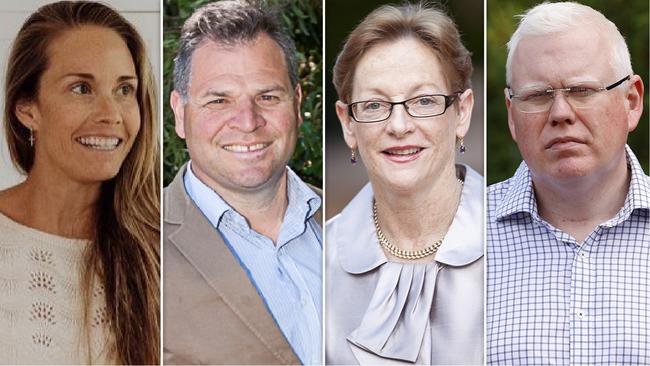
[
  {"x": 570, "y": 168},
  {"x": 100, "y": 175},
  {"x": 402, "y": 184},
  {"x": 251, "y": 179}
]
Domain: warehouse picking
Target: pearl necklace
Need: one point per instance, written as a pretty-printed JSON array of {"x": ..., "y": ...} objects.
[{"x": 397, "y": 252}]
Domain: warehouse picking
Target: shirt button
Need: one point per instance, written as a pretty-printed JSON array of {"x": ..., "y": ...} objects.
[
  {"x": 583, "y": 254},
  {"x": 580, "y": 314}
]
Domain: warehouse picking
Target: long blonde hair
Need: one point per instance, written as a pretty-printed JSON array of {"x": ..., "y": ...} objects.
[{"x": 125, "y": 255}]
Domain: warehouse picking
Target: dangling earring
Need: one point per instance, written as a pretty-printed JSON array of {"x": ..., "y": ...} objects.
[
  {"x": 353, "y": 157},
  {"x": 461, "y": 147},
  {"x": 31, "y": 137}
]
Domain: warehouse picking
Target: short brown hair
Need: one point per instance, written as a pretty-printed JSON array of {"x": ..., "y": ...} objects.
[
  {"x": 388, "y": 23},
  {"x": 230, "y": 22}
]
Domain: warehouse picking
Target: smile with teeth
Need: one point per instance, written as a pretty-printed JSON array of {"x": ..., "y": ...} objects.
[
  {"x": 410, "y": 151},
  {"x": 99, "y": 143},
  {"x": 245, "y": 148}
]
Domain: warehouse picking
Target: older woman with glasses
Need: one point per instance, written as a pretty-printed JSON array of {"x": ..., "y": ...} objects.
[{"x": 405, "y": 256}]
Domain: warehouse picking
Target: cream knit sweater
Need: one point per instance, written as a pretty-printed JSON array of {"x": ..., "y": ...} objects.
[{"x": 41, "y": 312}]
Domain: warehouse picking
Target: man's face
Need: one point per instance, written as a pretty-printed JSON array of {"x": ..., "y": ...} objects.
[
  {"x": 241, "y": 118},
  {"x": 566, "y": 142}
]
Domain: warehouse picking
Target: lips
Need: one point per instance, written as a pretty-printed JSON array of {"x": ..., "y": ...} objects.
[
  {"x": 100, "y": 142},
  {"x": 563, "y": 141},
  {"x": 245, "y": 148},
  {"x": 402, "y": 154}
]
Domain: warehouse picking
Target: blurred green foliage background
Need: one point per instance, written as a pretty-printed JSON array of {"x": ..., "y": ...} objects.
[
  {"x": 631, "y": 17},
  {"x": 303, "y": 19}
]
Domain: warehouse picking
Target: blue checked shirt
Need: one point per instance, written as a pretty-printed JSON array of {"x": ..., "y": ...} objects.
[
  {"x": 288, "y": 275},
  {"x": 552, "y": 300}
]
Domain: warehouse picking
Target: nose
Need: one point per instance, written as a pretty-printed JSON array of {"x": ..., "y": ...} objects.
[
  {"x": 247, "y": 117},
  {"x": 108, "y": 110},
  {"x": 561, "y": 110},
  {"x": 400, "y": 122}
]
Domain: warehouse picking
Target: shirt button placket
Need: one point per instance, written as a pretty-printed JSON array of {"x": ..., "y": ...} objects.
[{"x": 582, "y": 291}]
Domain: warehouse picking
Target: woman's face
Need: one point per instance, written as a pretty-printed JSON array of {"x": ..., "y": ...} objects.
[
  {"x": 86, "y": 115},
  {"x": 404, "y": 153}
]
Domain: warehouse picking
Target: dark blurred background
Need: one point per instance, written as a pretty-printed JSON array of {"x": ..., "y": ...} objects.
[
  {"x": 303, "y": 19},
  {"x": 631, "y": 17},
  {"x": 343, "y": 180}
]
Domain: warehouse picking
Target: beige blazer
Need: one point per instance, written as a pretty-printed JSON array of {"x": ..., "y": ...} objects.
[{"x": 212, "y": 314}]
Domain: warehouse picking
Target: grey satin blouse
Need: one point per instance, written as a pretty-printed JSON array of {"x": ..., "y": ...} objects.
[{"x": 380, "y": 312}]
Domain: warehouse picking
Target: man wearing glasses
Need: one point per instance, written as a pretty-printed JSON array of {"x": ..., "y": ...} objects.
[
  {"x": 242, "y": 238},
  {"x": 569, "y": 234}
]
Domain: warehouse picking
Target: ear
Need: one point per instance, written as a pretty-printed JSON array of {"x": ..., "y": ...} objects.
[
  {"x": 297, "y": 101},
  {"x": 465, "y": 106},
  {"x": 178, "y": 106},
  {"x": 346, "y": 124},
  {"x": 511, "y": 122},
  {"x": 634, "y": 98},
  {"x": 28, "y": 114}
]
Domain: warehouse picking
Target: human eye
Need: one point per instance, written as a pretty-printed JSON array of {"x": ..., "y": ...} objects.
[
  {"x": 372, "y": 106},
  {"x": 581, "y": 91},
  {"x": 81, "y": 88},
  {"x": 217, "y": 103},
  {"x": 267, "y": 100},
  {"x": 536, "y": 95},
  {"x": 426, "y": 101},
  {"x": 126, "y": 89}
]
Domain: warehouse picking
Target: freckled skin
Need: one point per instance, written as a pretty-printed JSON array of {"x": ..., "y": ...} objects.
[{"x": 396, "y": 71}]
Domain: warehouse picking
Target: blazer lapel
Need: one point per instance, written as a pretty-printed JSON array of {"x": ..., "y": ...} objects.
[{"x": 204, "y": 248}]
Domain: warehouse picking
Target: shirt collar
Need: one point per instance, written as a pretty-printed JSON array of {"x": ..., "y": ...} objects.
[
  {"x": 520, "y": 196},
  {"x": 463, "y": 243},
  {"x": 638, "y": 195},
  {"x": 302, "y": 200},
  {"x": 206, "y": 199}
]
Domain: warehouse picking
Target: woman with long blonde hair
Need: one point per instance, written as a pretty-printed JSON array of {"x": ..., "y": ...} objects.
[{"x": 79, "y": 238}]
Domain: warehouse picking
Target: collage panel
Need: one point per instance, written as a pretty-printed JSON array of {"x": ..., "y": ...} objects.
[
  {"x": 404, "y": 253},
  {"x": 79, "y": 180},
  {"x": 568, "y": 193},
  {"x": 485, "y": 198},
  {"x": 243, "y": 170}
]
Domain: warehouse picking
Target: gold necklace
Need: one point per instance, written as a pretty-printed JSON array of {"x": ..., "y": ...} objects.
[{"x": 397, "y": 252}]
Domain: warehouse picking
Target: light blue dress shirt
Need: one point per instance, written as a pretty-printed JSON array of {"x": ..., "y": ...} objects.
[
  {"x": 286, "y": 275},
  {"x": 553, "y": 300}
]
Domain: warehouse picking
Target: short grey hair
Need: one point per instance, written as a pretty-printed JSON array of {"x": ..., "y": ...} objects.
[
  {"x": 548, "y": 18},
  {"x": 230, "y": 23}
]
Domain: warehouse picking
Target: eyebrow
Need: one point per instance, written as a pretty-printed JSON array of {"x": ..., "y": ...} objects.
[
  {"x": 214, "y": 93},
  {"x": 92, "y": 77},
  {"x": 272, "y": 88},
  {"x": 227, "y": 93},
  {"x": 410, "y": 91}
]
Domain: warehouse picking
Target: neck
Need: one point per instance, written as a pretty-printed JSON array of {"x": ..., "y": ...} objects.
[
  {"x": 61, "y": 208},
  {"x": 578, "y": 206},
  {"x": 415, "y": 219},
  {"x": 264, "y": 208}
]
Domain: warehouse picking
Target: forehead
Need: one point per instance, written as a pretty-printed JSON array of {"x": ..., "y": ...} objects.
[
  {"x": 259, "y": 60},
  {"x": 398, "y": 68},
  {"x": 559, "y": 58},
  {"x": 89, "y": 49}
]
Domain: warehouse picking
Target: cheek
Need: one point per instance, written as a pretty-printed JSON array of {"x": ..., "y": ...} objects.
[
  {"x": 283, "y": 121},
  {"x": 132, "y": 119},
  {"x": 203, "y": 126},
  {"x": 528, "y": 129}
]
